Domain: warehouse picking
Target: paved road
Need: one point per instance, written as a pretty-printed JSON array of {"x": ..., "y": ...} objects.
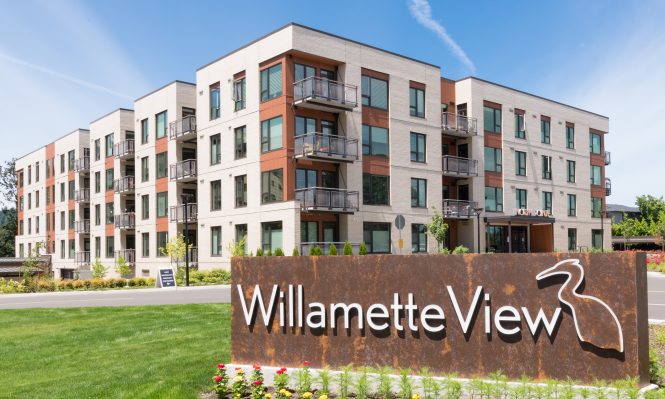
[
  {"x": 147, "y": 296},
  {"x": 656, "y": 296}
]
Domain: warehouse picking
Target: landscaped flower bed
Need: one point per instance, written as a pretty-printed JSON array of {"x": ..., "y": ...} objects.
[{"x": 656, "y": 261}]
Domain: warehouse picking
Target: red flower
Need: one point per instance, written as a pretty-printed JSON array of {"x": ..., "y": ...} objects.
[
  {"x": 257, "y": 383},
  {"x": 220, "y": 366},
  {"x": 306, "y": 363},
  {"x": 280, "y": 371},
  {"x": 257, "y": 366},
  {"x": 217, "y": 378},
  {"x": 283, "y": 369}
]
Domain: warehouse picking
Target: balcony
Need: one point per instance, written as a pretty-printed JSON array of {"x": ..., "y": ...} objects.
[
  {"x": 124, "y": 185},
  {"x": 608, "y": 158},
  {"x": 324, "y": 147},
  {"x": 183, "y": 171},
  {"x": 177, "y": 213},
  {"x": 183, "y": 129},
  {"x": 129, "y": 255},
  {"x": 458, "y": 125},
  {"x": 82, "y": 165},
  {"x": 124, "y": 149},
  {"x": 125, "y": 221},
  {"x": 320, "y": 199},
  {"x": 608, "y": 187},
  {"x": 459, "y": 209},
  {"x": 82, "y": 257},
  {"x": 82, "y": 195},
  {"x": 459, "y": 167},
  {"x": 325, "y": 247},
  {"x": 82, "y": 226},
  {"x": 324, "y": 95}
]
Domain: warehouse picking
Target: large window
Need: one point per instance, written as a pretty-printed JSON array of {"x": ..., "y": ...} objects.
[
  {"x": 305, "y": 178},
  {"x": 215, "y": 149},
  {"x": 145, "y": 207},
  {"x": 271, "y": 236},
  {"x": 240, "y": 142},
  {"x": 72, "y": 190},
  {"x": 271, "y": 82},
  {"x": 71, "y": 157},
  {"x": 377, "y": 237},
  {"x": 376, "y": 189},
  {"x": 570, "y": 136},
  {"x": 520, "y": 198},
  {"x": 239, "y": 94},
  {"x": 374, "y": 92},
  {"x": 214, "y": 101},
  {"x": 215, "y": 195},
  {"x": 162, "y": 239},
  {"x": 304, "y": 125},
  {"x": 493, "y": 199},
  {"x": 109, "y": 247},
  {"x": 418, "y": 193},
  {"x": 492, "y": 119},
  {"x": 145, "y": 245},
  {"x": 595, "y": 175},
  {"x": 418, "y": 238},
  {"x": 162, "y": 167},
  {"x": 271, "y": 134},
  {"x": 98, "y": 182},
  {"x": 108, "y": 147},
  {"x": 303, "y": 71},
  {"x": 547, "y": 167},
  {"x": 145, "y": 131},
  {"x": 375, "y": 141},
  {"x": 272, "y": 189},
  {"x": 417, "y": 147},
  {"x": 520, "y": 128},
  {"x": 547, "y": 201},
  {"x": 241, "y": 191},
  {"x": 493, "y": 159},
  {"x": 597, "y": 238},
  {"x": 596, "y": 207},
  {"x": 162, "y": 204},
  {"x": 545, "y": 130},
  {"x": 570, "y": 171},
  {"x": 109, "y": 213},
  {"x": 241, "y": 233},
  {"x": 216, "y": 241},
  {"x": 145, "y": 169},
  {"x": 520, "y": 163},
  {"x": 98, "y": 215},
  {"x": 160, "y": 125},
  {"x": 572, "y": 205},
  {"x": 98, "y": 150},
  {"x": 572, "y": 239},
  {"x": 416, "y": 102},
  {"x": 594, "y": 143},
  {"x": 109, "y": 179}
]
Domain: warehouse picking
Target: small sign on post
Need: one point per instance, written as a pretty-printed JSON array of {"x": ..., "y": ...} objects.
[
  {"x": 399, "y": 223},
  {"x": 166, "y": 278}
]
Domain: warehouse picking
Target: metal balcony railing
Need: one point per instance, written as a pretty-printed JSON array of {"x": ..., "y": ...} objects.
[
  {"x": 324, "y": 94},
  {"x": 326, "y": 147},
  {"x": 124, "y": 184},
  {"x": 460, "y": 167},
  {"x": 82, "y": 195},
  {"x": 124, "y": 149},
  {"x": 82, "y": 165},
  {"x": 608, "y": 187},
  {"x": 459, "y": 209},
  {"x": 608, "y": 158},
  {"x": 184, "y": 170},
  {"x": 82, "y": 257},
  {"x": 82, "y": 226},
  {"x": 321, "y": 199},
  {"x": 325, "y": 247},
  {"x": 183, "y": 128},
  {"x": 129, "y": 255},
  {"x": 177, "y": 213},
  {"x": 458, "y": 125},
  {"x": 125, "y": 220}
]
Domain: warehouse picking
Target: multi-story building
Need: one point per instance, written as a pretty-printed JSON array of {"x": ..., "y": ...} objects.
[{"x": 304, "y": 138}]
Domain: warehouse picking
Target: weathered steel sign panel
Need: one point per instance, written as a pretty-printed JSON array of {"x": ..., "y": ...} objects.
[{"x": 582, "y": 316}]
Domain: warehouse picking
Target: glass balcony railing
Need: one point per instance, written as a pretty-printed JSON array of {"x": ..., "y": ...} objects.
[
  {"x": 125, "y": 220},
  {"x": 321, "y": 199},
  {"x": 82, "y": 165},
  {"x": 608, "y": 158},
  {"x": 82, "y": 195},
  {"x": 124, "y": 149},
  {"x": 459, "y": 209},
  {"x": 459, "y": 167},
  {"x": 326, "y": 147},
  {"x": 82, "y": 226},
  {"x": 182, "y": 171},
  {"x": 458, "y": 125},
  {"x": 324, "y": 94},
  {"x": 129, "y": 255},
  {"x": 608, "y": 187},
  {"x": 180, "y": 213},
  {"x": 82, "y": 257},
  {"x": 124, "y": 184},
  {"x": 183, "y": 128}
]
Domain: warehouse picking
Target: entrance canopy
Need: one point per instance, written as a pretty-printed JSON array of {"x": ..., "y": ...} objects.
[{"x": 519, "y": 233}]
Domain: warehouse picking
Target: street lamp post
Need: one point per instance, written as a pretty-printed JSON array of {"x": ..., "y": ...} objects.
[
  {"x": 186, "y": 216},
  {"x": 478, "y": 210}
]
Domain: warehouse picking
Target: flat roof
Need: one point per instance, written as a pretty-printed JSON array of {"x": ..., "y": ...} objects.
[
  {"x": 112, "y": 112},
  {"x": 519, "y": 219},
  {"x": 61, "y": 137},
  {"x": 318, "y": 31},
  {"x": 165, "y": 86}
]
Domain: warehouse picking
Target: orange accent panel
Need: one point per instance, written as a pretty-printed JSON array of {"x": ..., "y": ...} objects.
[
  {"x": 597, "y": 160},
  {"x": 374, "y": 74},
  {"x": 109, "y": 230},
  {"x": 71, "y": 205},
  {"x": 376, "y": 165},
  {"x": 162, "y": 224},
  {"x": 417, "y": 85},
  {"x": 376, "y": 117},
  {"x": 491, "y": 104},
  {"x": 493, "y": 140},
  {"x": 239, "y": 75},
  {"x": 493, "y": 179},
  {"x": 161, "y": 145},
  {"x": 109, "y": 196},
  {"x": 71, "y": 235},
  {"x": 161, "y": 185},
  {"x": 447, "y": 91},
  {"x": 108, "y": 163}
]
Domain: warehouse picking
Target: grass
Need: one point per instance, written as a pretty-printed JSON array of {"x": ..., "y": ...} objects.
[{"x": 119, "y": 352}]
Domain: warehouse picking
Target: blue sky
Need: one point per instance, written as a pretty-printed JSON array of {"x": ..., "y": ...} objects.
[{"x": 65, "y": 63}]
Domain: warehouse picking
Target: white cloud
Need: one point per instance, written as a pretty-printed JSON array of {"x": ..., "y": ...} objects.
[{"x": 422, "y": 12}]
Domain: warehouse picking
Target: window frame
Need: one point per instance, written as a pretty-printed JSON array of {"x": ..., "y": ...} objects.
[
  {"x": 267, "y": 134},
  {"x": 497, "y": 193},
  {"x": 366, "y": 92},
  {"x": 520, "y": 128},
  {"x": 265, "y": 90},
  {"x": 418, "y": 231},
  {"x": 145, "y": 131},
  {"x": 570, "y": 137},
  {"x": 239, "y": 104},
  {"x": 571, "y": 200},
  {"x": 369, "y": 145},
  {"x": 546, "y": 167},
  {"x": 165, "y": 196},
  {"x": 497, "y": 166},
  {"x": 520, "y": 163},
  {"x": 496, "y": 125},
  {"x": 570, "y": 178},
  {"x": 215, "y": 195},
  {"x": 240, "y": 132},
  {"x": 521, "y": 198},
  {"x": 163, "y": 156},
  {"x": 369, "y": 195},
  {"x": 545, "y": 131},
  {"x": 158, "y": 134},
  {"x": 371, "y": 227},
  {"x": 420, "y": 192},
  {"x": 547, "y": 201},
  {"x": 215, "y": 100},
  {"x": 265, "y": 196},
  {"x": 241, "y": 181},
  {"x": 420, "y": 141},
  {"x": 216, "y": 252},
  {"x": 413, "y": 108}
]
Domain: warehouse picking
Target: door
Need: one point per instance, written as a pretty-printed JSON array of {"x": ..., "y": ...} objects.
[
  {"x": 130, "y": 241},
  {"x": 519, "y": 239},
  {"x": 329, "y": 179},
  {"x": 463, "y": 150},
  {"x": 329, "y": 88},
  {"x": 188, "y": 153},
  {"x": 463, "y": 192},
  {"x": 329, "y": 232}
]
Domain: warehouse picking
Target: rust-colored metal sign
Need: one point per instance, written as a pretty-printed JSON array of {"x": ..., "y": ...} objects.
[{"x": 582, "y": 316}]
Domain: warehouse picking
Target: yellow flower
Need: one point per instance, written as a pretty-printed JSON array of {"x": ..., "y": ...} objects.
[
  {"x": 307, "y": 395},
  {"x": 267, "y": 396},
  {"x": 240, "y": 371},
  {"x": 323, "y": 397},
  {"x": 237, "y": 378},
  {"x": 237, "y": 395},
  {"x": 287, "y": 394},
  {"x": 415, "y": 396},
  {"x": 282, "y": 390}
]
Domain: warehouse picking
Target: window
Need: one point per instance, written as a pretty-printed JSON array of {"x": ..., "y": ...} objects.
[
  {"x": 215, "y": 149},
  {"x": 145, "y": 131},
  {"x": 241, "y": 142},
  {"x": 305, "y": 178},
  {"x": 71, "y": 156},
  {"x": 20, "y": 179},
  {"x": 37, "y": 198},
  {"x": 418, "y": 238},
  {"x": 145, "y": 245},
  {"x": 72, "y": 249},
  {"x": 215, "y": 195},
  {"x": 241, "y": 191},
  {"x": 48, "y": 196},
  {"x": 572, "y": 239},
  {"x": 48, "y": 168},
  {"x": 98, "y": 150},
  {"x": 520, "y": 163},
  {"x": 20, "y": 202},
  {"x": 145, "y": 169},
  {"x": 374, "y": 92},
  {"x": 595, "y": 175},
  {"x": 271, "y": 134},
  {"x": 377, "y": 237},
  {"x": 376, "y": 189},
  {"x": 547, "y": 201},
  {"x": 214, "y": 101},
  {"x": 62, "y": 160},
  {"x": 597, "y": 238},
  {"x": 241, "y": 233},
  {"x": 416, "y": 102},
  {"x": 239, "y": 94},
  {"x": 98, "y": 214},
  {"x": 520, "y": 198},
  {"x": 417, "y": 147},
  {"x": 162, "y": 239},
  {"x": 109, "y": 247},
  {"x": 493, "y": 159},
  {"x": 570, "y": 136},
  {"x": 62, "y": 249},
  {"x": 72, "y": 219},
  {"x": 572, "y": 205},
  {"x": 545, "y": 130},
  {"x": 160, "y": 125},
  {"x": 492, "y": 119},
  {"x": 547, "y": 167},
  {"x": 98, "y": 247},
  {"x": 108, "y": 145},
  {"x": 72, "y": 190},
  {"x": 271, "y": 82},
  {"x": 98, "y": 182},
  {"x": 216, "y": 241},
  {"x": 162, "y": 167},
  {"x": 375, "y": 141},
  {"x": 594, "y": 143},
  {"x": 520, "y": 127},
  {"x": 30, "y": 225},
  {"x": 162, "y": 204},
  {"x": 570, "y": 171},
  {"x": 271, "y": 237},
  {"x": 596, "y": 207},
  {"x": 303, "y": 71},
  {"x": 37, "y": 224},
  {"x": 109, "y": 179},
  {"x": 304, "y": 125},
  {"x": 493, "y": 199},
  {"x": 272, "y": 186},
  {"x": 145, "y": 206},
  {"x": 30, "y": 170},
  {"x": 418, "y": 193},
  {"x": 37, "y": 171},
  {"x": 30, "y": 200},
  {"x": 109, "y": 213}
]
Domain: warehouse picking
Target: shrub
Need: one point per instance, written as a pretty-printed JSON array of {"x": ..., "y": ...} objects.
[
  {"x": 259, "y": 252},
  {"x": 121, "y": 282},
  {"x": 202, "y": 277},
  {"x": 315, "y": 250},
  {"x": 362, "y": 250},
  {"x": 78, "y": 284},
  {"x": 295, "y": 252},
  {"x": 268, "y": 252},
  {"x": 444, "y": 251},
  {"x": 87, "y": 284},
  {"x": 654, "y": 366},
  {"x": 11, "y": 286},
  {"x": 122, "y": 267},
  {"x": 348, "y": 250},
  {"x": 150, "y": 281},
  {"x": 332, "y": 251},
  {"x": 131, "y": 282},
  {"x": 460, "y": 249},
  {"x": 99, "y": 270},
  {"x": 279, "y": 252}
]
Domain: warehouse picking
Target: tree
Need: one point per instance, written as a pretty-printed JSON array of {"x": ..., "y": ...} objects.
[
  {"x": 8, "y": 183},
  {"x": 660, "y": 229},
  {"x": 175, "y": 249},
  {"x": 362, "y": 249},
  {"x": 437, "y": 228},
  {"x": 332, "y": 250},
  {"x": 650, "y": 207},
  {"x": 348, "y": 250},
  {"x": 238, "y": 248},
  {"x": 99, "y": 270},
  {"x": 8, "y": 232},
  {"x": 9, "y": 197},
  {"x": 31, "y": 265},
  {"x": 122, "y": 268}
]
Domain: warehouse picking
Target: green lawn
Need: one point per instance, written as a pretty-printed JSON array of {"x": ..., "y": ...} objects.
[{"x": 122, "y": 352}]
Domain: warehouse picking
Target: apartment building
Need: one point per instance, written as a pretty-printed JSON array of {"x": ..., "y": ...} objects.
[{"x": 304, "y": 138}]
